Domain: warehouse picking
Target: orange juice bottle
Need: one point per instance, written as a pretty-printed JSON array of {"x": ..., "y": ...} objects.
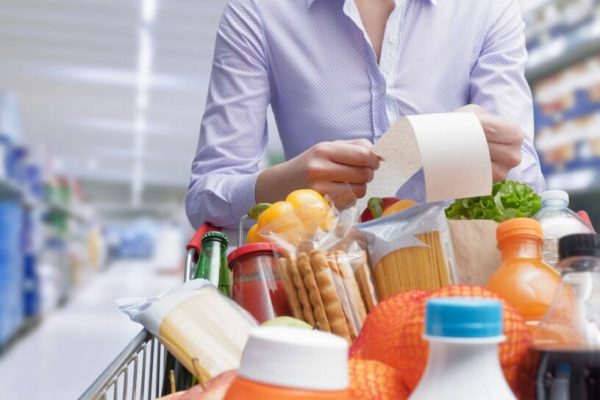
[
  {"x": 523, "y": 279},
  {"x": 283, "y": 363}
]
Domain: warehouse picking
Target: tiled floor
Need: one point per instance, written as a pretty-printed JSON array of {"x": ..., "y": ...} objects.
[{"x": 72, "y": 346}]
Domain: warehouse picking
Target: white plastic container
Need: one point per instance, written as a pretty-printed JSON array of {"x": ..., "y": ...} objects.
[
  {"x": 463, "y": 363},
  {"x": 558, "y": 220}
]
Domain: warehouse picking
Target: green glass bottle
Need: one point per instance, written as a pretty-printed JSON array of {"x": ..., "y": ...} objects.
[{"x": 212, "y": 264}]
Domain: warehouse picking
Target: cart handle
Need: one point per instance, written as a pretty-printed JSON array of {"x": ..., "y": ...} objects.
[{"x": 196, "y": 242}]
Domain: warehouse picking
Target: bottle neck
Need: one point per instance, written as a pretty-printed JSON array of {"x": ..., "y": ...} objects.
[
  {"x": 520, "y": 248},
  {"x": 555, "y": 204},
  {"x": 212, "y": 257},
  {"x": 465, "y": 360}
]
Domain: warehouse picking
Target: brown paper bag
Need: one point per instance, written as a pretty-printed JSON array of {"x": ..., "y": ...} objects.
[{"x": 475, "y": 252}]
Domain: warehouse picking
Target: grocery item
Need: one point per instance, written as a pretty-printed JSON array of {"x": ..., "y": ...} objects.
[
  {"x": 212, "y": 264},
  {"x": 463, "y": 336},
  {"x": 558, "y": 220},
  {"x": 382, "y": 207},
  {"x": 287, "y": 321},
  {"x": 374, "y": 380},
  {"x": 375, "y": 207},
  {"x": 257, "y": 285},
  {"x": 287, "y": 363},
  {"x": 475, "y": 252},
  {"x": 326, "y": 291},
  {"x": 296, "y": 218},
  {"x": 522, "y": 278},
  {"x": 508, "y": 200},
  {"x": 410, "y": 250},
  {"x": 573, "y": 320},
  {"x": 393, "y": 334},
  {"x": 203, "y": 329}
]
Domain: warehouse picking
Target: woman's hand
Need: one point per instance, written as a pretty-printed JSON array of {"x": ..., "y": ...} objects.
[
  {"x": 504, "y": 139},
  {"x": 326, "y": 167}
]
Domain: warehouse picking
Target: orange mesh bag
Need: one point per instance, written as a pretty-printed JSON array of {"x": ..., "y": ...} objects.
[
  {"x": 374, "y": 380},
  {"x": 396, "y": 336}
]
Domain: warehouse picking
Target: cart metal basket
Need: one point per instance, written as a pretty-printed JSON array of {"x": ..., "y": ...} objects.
[{"x": 140, "y": 371}]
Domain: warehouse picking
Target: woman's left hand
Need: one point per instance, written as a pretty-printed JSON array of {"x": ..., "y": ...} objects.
[{"x": 504, "y": 138}]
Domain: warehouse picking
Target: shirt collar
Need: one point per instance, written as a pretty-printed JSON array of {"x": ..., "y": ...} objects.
[{"x": 310, "y": 2}]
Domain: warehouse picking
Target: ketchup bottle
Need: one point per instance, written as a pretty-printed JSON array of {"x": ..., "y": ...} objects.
[{"x": 281, "y": 363}]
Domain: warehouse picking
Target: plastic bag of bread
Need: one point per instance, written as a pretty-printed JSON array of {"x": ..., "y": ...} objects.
[
  {"x": 410, "y": 250},
  {"x": 324, "y": 269},
  {"x": 203, "y": 329}
]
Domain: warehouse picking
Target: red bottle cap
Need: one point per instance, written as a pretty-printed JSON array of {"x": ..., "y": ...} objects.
[{"x": 249, "y": 249}]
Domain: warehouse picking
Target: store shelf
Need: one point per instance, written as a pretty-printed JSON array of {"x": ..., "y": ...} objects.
[
  {"x": 561, "y": 52},
  {"x": 68, "y": 212},
  {"x": 9, "y": 190}
]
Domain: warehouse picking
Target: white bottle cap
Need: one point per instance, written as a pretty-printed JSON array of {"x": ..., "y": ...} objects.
[
  {"x": 550, "y": 195},
  {"x": 296, "y": 358}
]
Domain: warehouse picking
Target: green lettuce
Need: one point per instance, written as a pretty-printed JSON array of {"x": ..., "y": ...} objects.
[{"x": 509, "y": 199}]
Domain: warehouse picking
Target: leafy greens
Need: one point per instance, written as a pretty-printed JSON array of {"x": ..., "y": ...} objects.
[{"x": 509, "y": 199}]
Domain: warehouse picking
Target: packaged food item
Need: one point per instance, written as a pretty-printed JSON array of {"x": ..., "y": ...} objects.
[
  {"x": 257, "y": 285},
  {"x": 203, "y": 329},
  {"x": 325, "y": 291},
  {"x": 288, "y": 363},
  {"x": 324, "y": 272},
  {"x": 463, "y": 336},
  {"x": 212, "y": 264},
  {"x": 558, "y": 220},
  {"x": 410, "y": 250}
]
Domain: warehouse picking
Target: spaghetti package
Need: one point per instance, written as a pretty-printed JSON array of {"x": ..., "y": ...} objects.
[
  {"x": 324, "y": 269},
  {"x": 203, "y": 329},
  {"x": 410, "y": 250}
]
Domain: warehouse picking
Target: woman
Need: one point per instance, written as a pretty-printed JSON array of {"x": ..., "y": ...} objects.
[{"x": 337, "y": 74}]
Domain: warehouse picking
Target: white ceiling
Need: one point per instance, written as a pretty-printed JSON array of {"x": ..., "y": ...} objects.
[{"x": 75, "y": 67}]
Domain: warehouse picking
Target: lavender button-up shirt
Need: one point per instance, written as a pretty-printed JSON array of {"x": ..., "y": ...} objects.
[{"x": 312, "y": 61}]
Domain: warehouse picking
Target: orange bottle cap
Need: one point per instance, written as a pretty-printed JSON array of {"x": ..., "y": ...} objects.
[{"x": 519, "y": 227}]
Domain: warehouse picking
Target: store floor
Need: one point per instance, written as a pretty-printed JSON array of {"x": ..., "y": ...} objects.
[{"x": 72, "y": 346}]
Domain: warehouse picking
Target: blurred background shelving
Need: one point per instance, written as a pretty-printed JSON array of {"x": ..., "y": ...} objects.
[{"x": 563, "y": 38}]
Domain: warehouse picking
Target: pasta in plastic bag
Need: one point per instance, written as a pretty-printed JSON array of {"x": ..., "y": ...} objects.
[
  {"x": 203, "y": 329},
  {"x": 410, "y": 250}
]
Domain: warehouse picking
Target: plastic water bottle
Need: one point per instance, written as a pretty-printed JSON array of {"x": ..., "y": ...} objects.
[
  {"x": 558, "y": 220},
  {"x": 463, "y": 363}
]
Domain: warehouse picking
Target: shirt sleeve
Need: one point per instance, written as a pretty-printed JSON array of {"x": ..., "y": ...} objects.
[
  {"x": 498, "y": 83},
  {"x": 233, "y": 133}
]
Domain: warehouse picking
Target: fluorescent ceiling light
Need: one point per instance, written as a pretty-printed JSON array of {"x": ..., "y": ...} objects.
[{"x": 148, "y": 11}]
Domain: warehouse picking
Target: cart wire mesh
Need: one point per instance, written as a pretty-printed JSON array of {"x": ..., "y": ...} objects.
[{"x": 137, "y": 373}]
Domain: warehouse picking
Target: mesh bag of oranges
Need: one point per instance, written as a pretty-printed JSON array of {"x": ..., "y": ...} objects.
[{"x": 393, "y": 335}]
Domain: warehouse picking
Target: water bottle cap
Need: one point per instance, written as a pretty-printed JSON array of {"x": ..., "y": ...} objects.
[
  {"x": 580, "y": 244},
  {"x": 296, "y": 358},
  {"x": 560, "y": 195},
  {"x": 463, "y": 317}
]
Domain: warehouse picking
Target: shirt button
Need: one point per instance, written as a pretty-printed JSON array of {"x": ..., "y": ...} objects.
[{"x": 392, "y": 38}]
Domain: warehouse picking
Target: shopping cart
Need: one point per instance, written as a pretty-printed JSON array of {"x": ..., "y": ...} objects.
[{"x": 142, "y": 369}]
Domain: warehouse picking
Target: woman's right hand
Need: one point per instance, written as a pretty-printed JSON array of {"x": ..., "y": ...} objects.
[{"x": 325, "y": 167}]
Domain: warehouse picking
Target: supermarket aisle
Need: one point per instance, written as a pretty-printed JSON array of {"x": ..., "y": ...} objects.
[{"x": 72, "y": 346}]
